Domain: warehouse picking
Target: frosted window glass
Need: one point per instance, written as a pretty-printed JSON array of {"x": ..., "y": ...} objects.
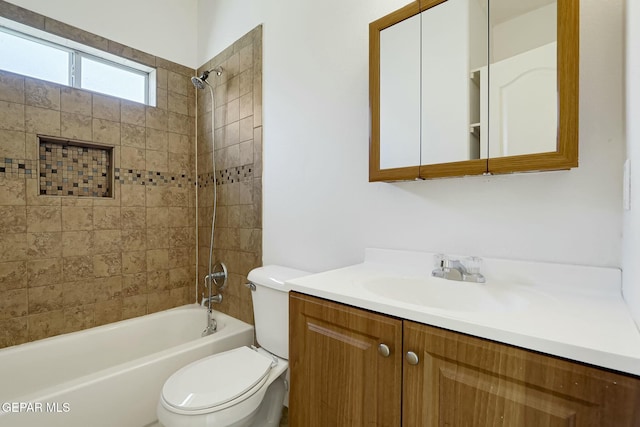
[
  {"x": 105, "y": 78},
  {"x": 29, "y": 58}
]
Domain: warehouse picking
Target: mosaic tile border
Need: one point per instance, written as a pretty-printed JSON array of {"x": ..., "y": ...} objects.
[
  {"x": 18, "y": 167},
  {"x": 154, "y": 178},
  {"x": 227, "y": 176},
  {"x": 28, "y": 169}
]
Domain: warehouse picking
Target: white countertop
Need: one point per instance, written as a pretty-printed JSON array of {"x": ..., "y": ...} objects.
[{"x": 575, "y": 312}]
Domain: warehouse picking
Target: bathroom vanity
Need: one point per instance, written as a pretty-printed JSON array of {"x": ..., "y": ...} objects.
[{"x": 521, "y": 355}]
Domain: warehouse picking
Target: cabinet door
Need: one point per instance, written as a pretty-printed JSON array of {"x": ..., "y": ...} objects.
[
  {"x": 465, "y": 381},
  {"x": 338, "y": 376}
]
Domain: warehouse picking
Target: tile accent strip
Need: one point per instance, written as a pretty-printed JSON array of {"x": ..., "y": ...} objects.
[{"x": 227, "y": 176}]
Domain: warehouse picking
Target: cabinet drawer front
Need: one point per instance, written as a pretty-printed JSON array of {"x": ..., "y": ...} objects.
[{"x": 339, "y": 376}]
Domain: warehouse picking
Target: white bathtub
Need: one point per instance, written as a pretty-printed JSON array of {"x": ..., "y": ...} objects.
[{"x": 108, "y": 376}]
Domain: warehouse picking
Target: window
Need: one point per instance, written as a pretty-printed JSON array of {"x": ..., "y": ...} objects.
[{"x": 81, "y": 68}]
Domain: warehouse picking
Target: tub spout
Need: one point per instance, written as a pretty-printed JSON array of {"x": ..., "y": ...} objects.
[{"x": 212, "y": 299}]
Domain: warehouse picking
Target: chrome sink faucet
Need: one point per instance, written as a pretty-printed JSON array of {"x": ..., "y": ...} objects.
[{"x": 453, "y": 269}]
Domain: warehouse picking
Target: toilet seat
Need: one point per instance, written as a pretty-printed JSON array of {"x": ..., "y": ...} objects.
[{"x": 216, "y": 382}]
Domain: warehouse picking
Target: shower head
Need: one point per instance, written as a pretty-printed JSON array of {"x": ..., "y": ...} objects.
[{"x": 200, "y": 82}]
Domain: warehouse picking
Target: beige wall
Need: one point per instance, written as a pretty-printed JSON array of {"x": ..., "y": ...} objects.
[
  {"x": 69, "y": 263},
  {"x": 238, "y": 159}
]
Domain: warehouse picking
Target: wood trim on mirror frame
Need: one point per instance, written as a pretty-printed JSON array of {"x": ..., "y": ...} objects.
[{"x": 566, "y": 157}]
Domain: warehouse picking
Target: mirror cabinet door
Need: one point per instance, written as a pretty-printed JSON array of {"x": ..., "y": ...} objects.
[
  {"x": 465, "y": 87},
  {"x": 454, "y": 59},
  {"x": 523, "y": 106}
]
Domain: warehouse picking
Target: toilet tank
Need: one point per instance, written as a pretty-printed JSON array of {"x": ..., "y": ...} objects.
[{"x": 271, "y": 307}]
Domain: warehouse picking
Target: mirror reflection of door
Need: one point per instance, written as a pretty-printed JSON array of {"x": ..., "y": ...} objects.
[{"x": 523, "y": 94}]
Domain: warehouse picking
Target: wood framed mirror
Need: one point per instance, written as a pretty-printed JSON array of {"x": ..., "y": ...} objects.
[{"x": 469, "y": 87}]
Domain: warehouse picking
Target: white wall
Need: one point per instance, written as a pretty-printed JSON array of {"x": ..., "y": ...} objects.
[
  {"x": 164, "y": 28},
  {"x": 319, "y": 210},
  {"x": 631, "y": 241}
]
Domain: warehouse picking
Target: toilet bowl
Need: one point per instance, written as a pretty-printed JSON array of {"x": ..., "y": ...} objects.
[{"x": 245, "y": 386}]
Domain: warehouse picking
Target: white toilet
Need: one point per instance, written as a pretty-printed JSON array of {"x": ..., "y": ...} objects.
[{"x": 243, "y": 387}]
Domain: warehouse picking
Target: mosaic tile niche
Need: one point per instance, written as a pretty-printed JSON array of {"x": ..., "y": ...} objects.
[{"x": 73, "y": 168}]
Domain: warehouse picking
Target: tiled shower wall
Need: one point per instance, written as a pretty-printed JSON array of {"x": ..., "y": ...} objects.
[
  {"x": 69, "y": 263},
  {"x": 238, "y": 159}
]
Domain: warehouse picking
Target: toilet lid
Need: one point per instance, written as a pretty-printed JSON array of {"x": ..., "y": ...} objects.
[{"x": 216, "y": 379}]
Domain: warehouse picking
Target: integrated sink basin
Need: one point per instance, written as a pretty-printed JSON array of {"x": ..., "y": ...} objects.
[{"x": 448, "y": 295}]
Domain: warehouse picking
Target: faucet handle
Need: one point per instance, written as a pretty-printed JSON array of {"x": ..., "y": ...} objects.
[
  {"x": 439, "y": 260},
  {"x": 473, "y": 264}
]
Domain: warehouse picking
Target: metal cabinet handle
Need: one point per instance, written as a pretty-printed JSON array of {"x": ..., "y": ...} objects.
[
  {"x": 412, "y": 358},
  {"x": 384, "y": 350}
]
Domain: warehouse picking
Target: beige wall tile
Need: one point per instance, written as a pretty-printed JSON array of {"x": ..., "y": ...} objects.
[
  {"x": 157, "y": 238},
  {"x": 156, "y": 196},
  {"x": 41, "y": 272},
  {"x": 157, "y": 259},
  {"x": 133, "y": 218},
  {"x": 246, "y": 129},
  {"x": 106, "y": 107},
  {"x": 179, "y": 164},
  {"x": 45, "y": 298},
  {"x": 77, "y": 218},
  {"x": 179, "y": 277},
  {"x": 107, "y": 312},
  {"x": 76, "y": 268},
  {"x": 158, "y": 301},
  {"x": 132, "y": 158},
  {"x": 246, "y": 58},
  {"x": 42, "y": 94},
  {"x": 180, "y": 123},
  {"x": 12, "y": 144},
  {"x": 13, "y": 275},
  {"x": 134, "y": 284},
  {"x": 233, "y": 111},
  {"x": 44, "y": 245},
  {"x": 106, "y": 218},
  {"x": 13, "y": 219},
  {"x": 33, "y": 198},
  {"x": 178, "y": 196},
  {"x": 45, "y": 325},
  {"x": 41, "y": 121},
  {"x": 12, "y": 116},
  {"x": 80, "y": 292},
  {"x": 12, "y": 192},
  {"x": 78, "y": 318},
  {"x": 76, "y": 101},
  {"x": 106, "y": 132},
  {"x": 11, "y": 87},
  {"x": 181, "y": 256},
  {"x": 178, "y": 103},
  {"x": 181, "y": 237},
  {"x": 107, "y": 241},
  {"x": 157, "y": 140},
  {"x": 108, "y": 288},
  {"x": 162, "y": 98},
  {"x": 178, "y": 143},
  {"x": 245, "y": 85},
  {"x": 76, "y": 126},
  {"x": 13, "y": 331},
  {"x": 246, "y": 151},
  {"x": 134, "y": 262},
  {"x": 134, "y": 306},
  {"x": 133, "y": 136},
  {"x": 178, "y": 83},
  {"x": 250, "y": 239},
  {"x": 245, "y": 105},
  {"x": 132, "y": 113},
  {"x": 157, "y": 217},
  {"x": 44, "y": 218},
  {"x": 133, "y": 195},
  {"x": 107, "y": 265},
  {"x": 134, "y": 240},
  {"x": 156, "y": 118},
  {"x": 77, "y": 243},
  {"x": 157, "y": 280},
  {"x": 156, "y": 161},
  {"x": 178, "y": 216},
  {"x": 13, "y": 303}
]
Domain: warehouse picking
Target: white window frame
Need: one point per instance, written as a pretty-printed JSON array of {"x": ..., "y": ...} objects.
[{"x": 78, "y": 51}]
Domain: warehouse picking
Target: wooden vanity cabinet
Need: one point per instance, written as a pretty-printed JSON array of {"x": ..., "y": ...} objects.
[
  {"x": 467, "y": 381},
  {"x": 339, "y": 377}
]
